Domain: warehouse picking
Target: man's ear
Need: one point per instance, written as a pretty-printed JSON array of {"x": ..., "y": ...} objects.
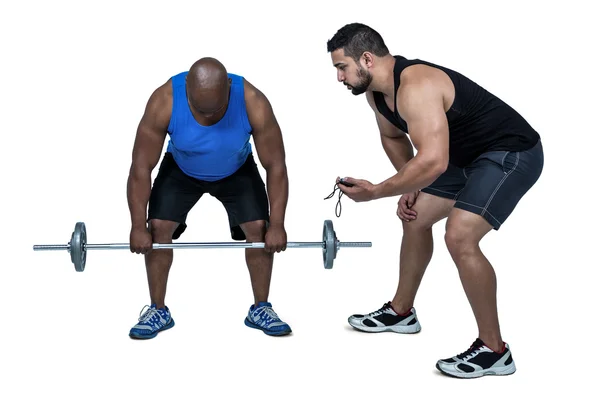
[{"x": 368, "y": 58}]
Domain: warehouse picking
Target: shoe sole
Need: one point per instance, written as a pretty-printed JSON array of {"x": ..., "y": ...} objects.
[
  {"x": 509, "y": 370},
  {"x": 153, "y": 335},
  {"x": 414, "y": 328},
  {"x": 250, "y": 324}
]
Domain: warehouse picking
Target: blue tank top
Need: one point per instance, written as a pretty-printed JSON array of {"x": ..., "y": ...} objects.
[{"x": 213, "y": 152}]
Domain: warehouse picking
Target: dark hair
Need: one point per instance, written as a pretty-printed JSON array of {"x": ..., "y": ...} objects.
[{"x": 356, "y": 38}]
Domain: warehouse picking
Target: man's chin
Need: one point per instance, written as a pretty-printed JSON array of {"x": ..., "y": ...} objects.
[{"x": 356, "y": 91}]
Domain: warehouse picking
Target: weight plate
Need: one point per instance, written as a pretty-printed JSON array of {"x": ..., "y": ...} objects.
[
  {"x": 329, "y": 241},
  {"x": 77, "y": 246}
]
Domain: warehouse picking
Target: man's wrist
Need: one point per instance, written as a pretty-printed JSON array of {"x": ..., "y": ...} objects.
[{"x": 377, "y": 191}]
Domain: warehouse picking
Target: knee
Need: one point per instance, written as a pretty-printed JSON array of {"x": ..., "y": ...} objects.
[
  {"x": 416, "y": 225},
  {"x": 161, "y": 230},
  {"x": 459, "y": 241},
  {"x": 255, "y": 230}
]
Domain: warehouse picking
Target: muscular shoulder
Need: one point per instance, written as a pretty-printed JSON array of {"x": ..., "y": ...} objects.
[
  {"x": 258, "y": 107},
  {"x": 422, "y": 83},
  {"x": 162, "y": 97},
  {"x": 160, "y": 104},
  {"x": 252, "y": 95}
]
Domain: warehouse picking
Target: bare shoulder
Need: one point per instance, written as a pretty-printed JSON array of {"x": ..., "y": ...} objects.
[
  {"x": 162, "y": 97},
  {"x": 253, "y": 96},
  {"x": 159, "y": 106},
  {"x": 423, "y": 72},
  {"x": 153, "y": 126},
  {"x": 422, "y": 83},
  {"x": 258, "y": 106}
]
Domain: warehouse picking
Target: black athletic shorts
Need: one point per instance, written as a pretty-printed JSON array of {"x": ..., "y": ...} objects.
[
  {"x": 243, "y": 194},
  {"x": 492, "y": 184}
]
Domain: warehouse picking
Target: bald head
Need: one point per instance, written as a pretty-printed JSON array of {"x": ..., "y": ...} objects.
[{"x": 208, "y": 85}]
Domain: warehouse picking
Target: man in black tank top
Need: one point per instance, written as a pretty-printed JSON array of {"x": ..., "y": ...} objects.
[{"x": 476, "y": 158}]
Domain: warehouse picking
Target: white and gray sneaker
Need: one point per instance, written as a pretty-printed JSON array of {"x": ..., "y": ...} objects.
[
  {"x": 386, "y": 320},
  {"x": 477, "y": 361}
]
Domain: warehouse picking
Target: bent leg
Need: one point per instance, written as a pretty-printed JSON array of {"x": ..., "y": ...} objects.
[
  {"x": 259, "y": 261},
  {"x": 244, "y": 196},
  {"x": 417, "y": 247},
  {"x": 433, "y": 204},
  {"x": 416, "y": 251},
  {"x": 464, "y": 231},
  {"x": 158, "y": 262},
  {"x": 496, "y": 183},
  {"x": 173, "y": 196}
]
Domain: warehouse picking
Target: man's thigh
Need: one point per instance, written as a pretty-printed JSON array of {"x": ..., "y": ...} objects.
[
  {"x": 435, "y": 201},
  {"x": 244, "y": 196},
  {"x": 497, "y": 181},
  {"x": 173, "y": 195}
]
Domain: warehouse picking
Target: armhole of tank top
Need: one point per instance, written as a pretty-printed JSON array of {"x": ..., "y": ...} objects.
[
  {"x": 172, "y": 119},
  {"x": 376, "y": 97},
  {"x": 243, "y": 109},
  {"x": 381, "y": 106}
]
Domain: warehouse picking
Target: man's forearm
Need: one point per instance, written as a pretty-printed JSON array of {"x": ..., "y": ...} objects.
[
  {"x": 277, "y": 190},
  {"x": 414, "y": 175},
  {"x": 138, "y": 194}
]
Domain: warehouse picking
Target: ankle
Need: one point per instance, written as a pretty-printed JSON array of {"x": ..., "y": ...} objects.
[
  {"x": 401, "y": 308},
  {"x": 494, "y": 343}
]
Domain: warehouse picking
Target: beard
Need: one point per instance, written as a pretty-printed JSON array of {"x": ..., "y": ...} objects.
[{"x": 364, "y": 80}]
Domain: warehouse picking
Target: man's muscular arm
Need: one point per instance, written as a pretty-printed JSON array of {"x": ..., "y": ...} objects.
[
  {"x": 421, "y": 103},
  {"x": 270, "y": 150},
  {"x": 149, "y": 141}
]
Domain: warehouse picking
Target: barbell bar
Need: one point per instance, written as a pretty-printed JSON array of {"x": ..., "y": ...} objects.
[{"x": 78, "y": 246}]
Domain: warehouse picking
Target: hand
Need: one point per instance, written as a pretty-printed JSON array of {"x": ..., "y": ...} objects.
[
  {"x": 361, "y": 191},
  {"x": 275, "y": 239},
  {"x": 140, "y": 241},
  {"x": 405, "y": 212}
]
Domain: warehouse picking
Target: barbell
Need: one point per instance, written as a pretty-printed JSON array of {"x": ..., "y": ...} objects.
[{"x": 78, "y": 246}]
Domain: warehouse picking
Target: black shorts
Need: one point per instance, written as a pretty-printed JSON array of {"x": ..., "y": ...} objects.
[
  {"x": 492, "y": 184},
  {"x": 243, "y": 194}
]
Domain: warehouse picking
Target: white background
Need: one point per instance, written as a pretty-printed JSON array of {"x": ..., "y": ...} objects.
[{"x": 76, "y": 78}]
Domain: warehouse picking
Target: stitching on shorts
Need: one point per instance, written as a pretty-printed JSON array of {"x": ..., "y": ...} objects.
[
  {"x": 503, "y": 158},
  {"x": 442, "y": 191},
  {"x": 464, "y": 170},
  {"x": 484, "y": 210},
  {"x": 500, "y": 184}
]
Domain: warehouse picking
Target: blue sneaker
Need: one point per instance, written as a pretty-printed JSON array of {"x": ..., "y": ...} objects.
[
  {"x": 264, "y": 318},
  {"x": 151, "y": 321}
]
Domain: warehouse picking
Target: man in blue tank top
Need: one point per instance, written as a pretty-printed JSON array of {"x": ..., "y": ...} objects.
[
  {"x": 210, "y": 116},
  {"x": 476, "y": 158}
]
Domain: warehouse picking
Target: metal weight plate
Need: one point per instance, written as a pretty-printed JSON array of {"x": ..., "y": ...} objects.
[
  {"x": 329, "y": 241},
  {"x": 77, "y": 246}
]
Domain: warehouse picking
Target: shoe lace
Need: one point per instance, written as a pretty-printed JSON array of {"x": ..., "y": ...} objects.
[
  {"x": 338, "y": 206},
  {"x": 269, "y": 313},
  {"x": 383, "y": 309},
  {"x": 476, "y": 345},
  {"x": 147, "y": 313}
]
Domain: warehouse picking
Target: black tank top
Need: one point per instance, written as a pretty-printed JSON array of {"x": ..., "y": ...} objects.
[{"x": 478, "y": 120}]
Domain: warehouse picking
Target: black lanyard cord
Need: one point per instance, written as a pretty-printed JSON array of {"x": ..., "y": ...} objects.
[{"x": 338, "y": 206}]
